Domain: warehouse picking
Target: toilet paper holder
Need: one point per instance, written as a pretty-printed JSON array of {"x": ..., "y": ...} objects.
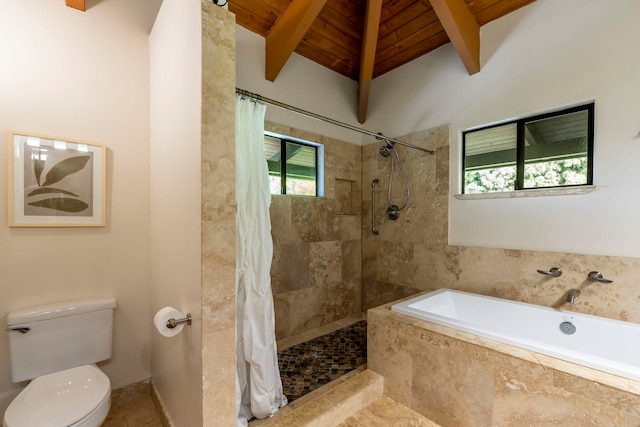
[{"x": 172, "y": 323}]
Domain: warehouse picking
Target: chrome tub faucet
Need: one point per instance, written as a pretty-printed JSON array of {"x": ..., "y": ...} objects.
[{"x": 572, "y": 295}]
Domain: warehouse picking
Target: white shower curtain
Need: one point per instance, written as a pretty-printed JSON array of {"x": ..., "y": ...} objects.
[{"x": 259, "y": 387}]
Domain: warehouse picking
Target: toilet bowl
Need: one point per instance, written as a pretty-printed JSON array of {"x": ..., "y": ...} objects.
[
  {"x": 77, "y": 397},
  {"x": 56, "y": 347}
]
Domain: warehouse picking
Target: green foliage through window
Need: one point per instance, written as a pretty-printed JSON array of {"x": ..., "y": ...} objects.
[
  {"x": 548, "y": 150},
  {"x": 293, "y": 166}
]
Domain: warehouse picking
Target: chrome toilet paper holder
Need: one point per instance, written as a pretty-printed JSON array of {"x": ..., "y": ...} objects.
[{"x": 172, "y": 323}]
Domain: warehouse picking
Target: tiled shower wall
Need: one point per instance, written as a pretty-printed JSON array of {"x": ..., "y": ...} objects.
[
  {"x": 316, "y": 269},
  {"x": 412, "y": 254},
  {"x": 411, "y": 251}
]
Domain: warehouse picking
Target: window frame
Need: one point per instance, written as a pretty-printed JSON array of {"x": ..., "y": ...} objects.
[
  {"x": 520, "y": 146},
  {"x": 318, "y": 151}
]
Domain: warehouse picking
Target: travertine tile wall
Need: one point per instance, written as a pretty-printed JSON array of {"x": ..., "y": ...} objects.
[
  {"x": 218, "y": 216},
  {"x": 461, "y": 382},
  {"x": 315, "y": 275},
  {"x": 412, "y": 251},
  {"x": 412, "y": 254}
]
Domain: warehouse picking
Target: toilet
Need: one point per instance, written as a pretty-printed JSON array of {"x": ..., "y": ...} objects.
[{"x": 56, "y": 346}]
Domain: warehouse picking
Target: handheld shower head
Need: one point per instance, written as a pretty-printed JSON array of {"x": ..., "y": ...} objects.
[{"x": 386, "y": 150}]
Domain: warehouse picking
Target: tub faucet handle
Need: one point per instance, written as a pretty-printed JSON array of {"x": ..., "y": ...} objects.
[
  {"x": 596, "y": 276},
  {"x": 21, "y": 329},
  {"x": 554, "y": 272}
]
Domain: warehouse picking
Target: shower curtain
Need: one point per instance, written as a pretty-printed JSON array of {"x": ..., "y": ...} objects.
[{"x": 258, "y": 383}]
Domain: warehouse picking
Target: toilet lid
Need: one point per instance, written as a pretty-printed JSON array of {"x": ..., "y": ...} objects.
[{"x": 59, "y": 399}]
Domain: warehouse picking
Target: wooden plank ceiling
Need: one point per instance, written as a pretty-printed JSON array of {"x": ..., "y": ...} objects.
[
  {"x": 338, "y": 34},
  {"x": 76, "y": 4}
]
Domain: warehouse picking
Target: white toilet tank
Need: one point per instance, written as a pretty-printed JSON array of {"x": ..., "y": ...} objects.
[{"x": 59, "y": 336}]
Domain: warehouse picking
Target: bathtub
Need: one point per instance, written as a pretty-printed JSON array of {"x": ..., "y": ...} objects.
[{"x": 603, "y": 344}]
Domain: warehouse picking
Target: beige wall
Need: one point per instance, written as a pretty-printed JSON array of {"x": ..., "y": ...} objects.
[
  {"x": 193, "y": 209},
  {"x": 580, "y": 51},
  {"x": 315, "y": 274},
  {"x": 176, "y": 97},
  {"x": 81, "y": 76},
  {"x": 412, "y": 255}
]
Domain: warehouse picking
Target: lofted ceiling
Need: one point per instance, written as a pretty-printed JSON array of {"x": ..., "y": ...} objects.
[{"x": 364, "y": 39}]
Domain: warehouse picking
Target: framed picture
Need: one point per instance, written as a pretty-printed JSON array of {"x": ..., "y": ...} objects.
[{"x": 55, "y": 182}]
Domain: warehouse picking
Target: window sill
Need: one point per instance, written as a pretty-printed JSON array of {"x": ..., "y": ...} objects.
[{"x": 542, "y": 192}]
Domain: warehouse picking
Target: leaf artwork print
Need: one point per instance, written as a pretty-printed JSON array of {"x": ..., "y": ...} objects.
[{"x": 58, "y": 182}]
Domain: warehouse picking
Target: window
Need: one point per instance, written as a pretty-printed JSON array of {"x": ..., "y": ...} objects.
[
  {"x": 293, "y": 165},
  {"x": 548, "y": 150}
]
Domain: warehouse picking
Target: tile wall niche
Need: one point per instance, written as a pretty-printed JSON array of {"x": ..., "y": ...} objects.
[
  {"x": 315, "y": 274},
  {"x": 412, "y": 254}
]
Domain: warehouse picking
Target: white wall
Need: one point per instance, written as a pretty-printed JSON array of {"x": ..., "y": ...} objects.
[
  {"x": 175, "y": 47},
  {"x": 302, "y": 84},
  {"x": 548, "y": 54},
  {"x": 81, "y": 76}
]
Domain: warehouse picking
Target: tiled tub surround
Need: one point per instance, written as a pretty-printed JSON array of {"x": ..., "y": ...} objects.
[
  {"x": 316, "y": 269},
  {"x": 597, "y": 342},
  {"x": 412, "y": 254},
  {"x": 459, "y": 379}
]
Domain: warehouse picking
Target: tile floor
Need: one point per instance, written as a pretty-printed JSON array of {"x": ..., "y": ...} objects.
[
  {"x": 312, "y": 364},
  {"x": 141, "y": 412},
  {"x": 138, "y": 412}
]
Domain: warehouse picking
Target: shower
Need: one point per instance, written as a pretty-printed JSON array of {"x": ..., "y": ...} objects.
[{"x": 389, "y": 150}]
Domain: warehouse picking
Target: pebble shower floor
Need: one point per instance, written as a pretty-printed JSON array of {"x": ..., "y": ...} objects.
[{"x": 310, "y": 365}]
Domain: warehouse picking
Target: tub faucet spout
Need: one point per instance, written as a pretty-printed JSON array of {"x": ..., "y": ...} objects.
[{"x": 572, "y": 295}]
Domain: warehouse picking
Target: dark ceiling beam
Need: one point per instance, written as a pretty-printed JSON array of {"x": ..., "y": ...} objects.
[
  {"x": 462, "y": 29},
  {"x": 288, "y": 32},
  {"x": 76, "y": 4},
  {"x": 368, "y": 55}
]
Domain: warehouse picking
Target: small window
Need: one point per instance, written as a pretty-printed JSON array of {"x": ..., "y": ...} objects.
[
  {"x": 293, "y": 165},
  {"x": 544, "y": 151}
]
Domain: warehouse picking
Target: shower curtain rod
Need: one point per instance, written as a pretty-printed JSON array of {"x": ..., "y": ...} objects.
[{"x": 326, "y": 119}]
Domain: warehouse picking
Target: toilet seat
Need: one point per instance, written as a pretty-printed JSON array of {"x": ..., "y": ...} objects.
[{"x": 62, "y": 399}]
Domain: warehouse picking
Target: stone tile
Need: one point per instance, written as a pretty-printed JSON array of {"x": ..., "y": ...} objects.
[
  {"x": 387, "y": 355},
  {"x": 385, "y": 412},
  {"x": 306, "y": 307},
  {"x": 376, "y": 293},
  {"x": 290, "y": 267},
  {"x": 345, "y": 196},
  {"x": 218, "y": 373},
  {"x": 282, "y": 316},
  {"x": 309, "y": 217},
  {"x": 126, "y": 394},
  {"x": 450, "y": 387},
  {"x": 325, "y": 263},
  {"x": 218, "y": 213},
  {"x": 344, "y": 227},
  {"x": 282, "y": 229},
  {"x": 138, "y": 411},
  {"x": 595, "y": 391},
  {"x": 394, "y": 262},
  {"x": 478, "y": 272},
  {"x": 343, "y": 300},
  {"x": 517, "y": 405},
  {"x": 442, "y": 171},
  {"x": 633, "y": 421},
  {"x": 351, "y": 260}
]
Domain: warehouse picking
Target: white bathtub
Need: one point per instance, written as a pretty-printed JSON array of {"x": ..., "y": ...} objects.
[{"x": 604, "y": 344}]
